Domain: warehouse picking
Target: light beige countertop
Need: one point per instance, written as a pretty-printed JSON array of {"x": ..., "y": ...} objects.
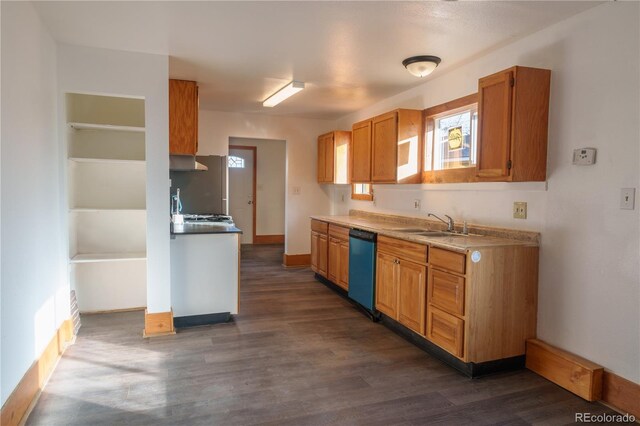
[{"x": 391, "y": 226}]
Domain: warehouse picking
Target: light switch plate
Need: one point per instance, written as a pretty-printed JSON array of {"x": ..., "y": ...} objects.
[
  {"x": 584, "y": 156},
  {"x": 519, "y": 210},
  {"x": 627, "y": 198}
]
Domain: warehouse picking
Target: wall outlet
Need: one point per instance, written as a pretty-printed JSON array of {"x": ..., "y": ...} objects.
[
  {"x": 584, "y": 156},
  {"x": 416, "y": 204},
  {"x": 519, "y": 210},
  {"x": 295, "y": 190},
  {"x": 627, "y": 198}
]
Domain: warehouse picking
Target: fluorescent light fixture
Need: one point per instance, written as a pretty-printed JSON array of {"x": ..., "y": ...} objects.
[{"x": 282, "y": 94}]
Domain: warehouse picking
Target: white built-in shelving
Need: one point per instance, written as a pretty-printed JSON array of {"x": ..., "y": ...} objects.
[{"x": 107, "y": 197}]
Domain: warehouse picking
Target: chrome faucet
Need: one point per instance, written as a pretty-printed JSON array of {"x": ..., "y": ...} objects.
[{"x": 449, "y": 222}]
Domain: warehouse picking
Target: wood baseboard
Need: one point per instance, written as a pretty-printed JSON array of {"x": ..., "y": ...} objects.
[
  {"x": 572, "y": 372},
  {"x": 621, "y": 393},
  {"x": 268, "y": 239},
  {"x": 19, "y": 403},
  {"x": 296, "y": 260},
  {"x": 114, "y": 311},
  {"x": 158, "y": 324}
]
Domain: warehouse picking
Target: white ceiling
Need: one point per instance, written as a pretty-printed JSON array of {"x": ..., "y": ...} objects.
[{"x": 349, "y": 54}]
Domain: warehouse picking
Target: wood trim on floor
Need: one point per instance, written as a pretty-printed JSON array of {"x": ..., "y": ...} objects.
[
  {"x": 621, "y": 394},
  {"x": 17, "y": 407},
  {"x": 268, "y": 239},
  {"x": 570, "y": 371},
  {"x": 158, "y": 324},
  {"x": 113, "y": 311},
  {"x": 296, "y": 260}
]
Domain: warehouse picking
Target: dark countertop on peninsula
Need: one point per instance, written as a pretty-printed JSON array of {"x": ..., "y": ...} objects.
[{"x": 190, "y": 229}]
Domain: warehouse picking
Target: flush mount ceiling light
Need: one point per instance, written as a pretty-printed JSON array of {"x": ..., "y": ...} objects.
[
  {"x": 421, "y": 66},
  {"x": 282, "y": 94}
]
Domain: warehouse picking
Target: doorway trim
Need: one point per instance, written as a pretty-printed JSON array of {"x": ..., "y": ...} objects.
[{"x": 255, "y": 174}]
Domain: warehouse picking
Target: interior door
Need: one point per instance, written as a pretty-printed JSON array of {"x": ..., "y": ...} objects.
[{"x": 242, "y": 191}]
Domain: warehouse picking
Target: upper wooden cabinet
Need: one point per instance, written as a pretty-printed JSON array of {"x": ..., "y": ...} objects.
[
  {"x": 333, "y": 157},
  {"x": 386, "y": 148},
  {"x": 513, "y": 111},
  {"x": 183, "y": 117},
  {"x": 361, "y": 152}
]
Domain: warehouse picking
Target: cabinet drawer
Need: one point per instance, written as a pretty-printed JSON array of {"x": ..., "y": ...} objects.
[
  {"x": 445, "y": 330},
  {"x": 319, "y": 226},
  {"x": 339, "y": 232},
  {"x": 446, "y": 291},
  {"x": 447, "y": 259},
  {"x": 403, "y": 249}
]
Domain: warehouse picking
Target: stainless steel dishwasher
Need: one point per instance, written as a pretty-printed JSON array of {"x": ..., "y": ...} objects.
[{"x": 362, "y": 269}]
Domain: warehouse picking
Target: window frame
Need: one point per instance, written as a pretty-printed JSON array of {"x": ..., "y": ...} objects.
[
  {"x": 429, "y": 115},
  {"x": 362, "y": 197}
]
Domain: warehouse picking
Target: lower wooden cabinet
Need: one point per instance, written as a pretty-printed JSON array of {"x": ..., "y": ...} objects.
[
  {"x": 319, "y": 253},
  {"x": 386, "y": 285},
  {"x": 401, "y": 283},
  {"x": 445, "y": 330},
  {"x": 339, "y": 262}
]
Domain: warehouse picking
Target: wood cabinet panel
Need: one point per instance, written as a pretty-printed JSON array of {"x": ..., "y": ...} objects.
[
  {"x": 446, "y": 291},
  {"x": 314, "y": 251},
  {"x": 333, "y": 157},
  {"x": 183, "y": 117},
  {"x": 361, "y": 152},
  {"x": 412, "y": 279},
  {"x": 404, "y": 249},
  {"x": 384, "y": 148},
  {"x": 343, "y": 276},
  {"x": 329, "y": 158},
  {"x": 319, "y": 226},
  {"x": 386, "y": 285},
  {"x": 321, "y": 160},
  {"x": 447, "y": 259},
  {"x": 339, "y": 232},
  {"x": 333, "y": 269},
  {"x": 494, "y": 124},
  {"x": 323, "y": 252},
  {"x": 445, "y": 330}
]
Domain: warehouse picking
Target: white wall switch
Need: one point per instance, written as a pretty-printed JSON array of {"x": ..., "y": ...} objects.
[
  {"x": 416, "y": 204},
  {"x": 584, "y": 156},
  {"x": 519, "y": 210},
  {"x": 627, "y": 198}
]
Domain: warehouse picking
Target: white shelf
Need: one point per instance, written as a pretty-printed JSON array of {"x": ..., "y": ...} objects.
[
  {"x": 105, "y": 160},
  {"x": 107, "y": 257},
  {"x": 90, "y": 210},
  {"x": 93, "y": 126}
]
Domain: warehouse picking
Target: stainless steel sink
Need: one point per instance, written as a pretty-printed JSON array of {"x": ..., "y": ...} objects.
[
  {"x": 435, "y": 234},
  {"x": 407, "y": 230}
]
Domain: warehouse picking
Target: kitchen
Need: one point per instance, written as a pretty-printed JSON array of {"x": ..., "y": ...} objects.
[{"x": 574, "y": 210}]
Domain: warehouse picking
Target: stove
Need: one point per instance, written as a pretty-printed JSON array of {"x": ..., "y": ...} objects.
[{"x": 208, "y": 219}]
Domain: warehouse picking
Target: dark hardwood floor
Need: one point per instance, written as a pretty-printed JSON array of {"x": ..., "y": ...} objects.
[{"x": 298, "y": 354}]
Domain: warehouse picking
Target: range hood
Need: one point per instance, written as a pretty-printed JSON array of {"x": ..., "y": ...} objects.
[{"x": 185, "y": 163}]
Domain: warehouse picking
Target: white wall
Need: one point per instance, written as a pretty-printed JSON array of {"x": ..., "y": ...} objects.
[
  {"x": 270, "y": 183},
  {"x": 215, "y": 129},
  {"x": 110, "y": 72},
  {"x": 589, "y": 291},
  {"x": 35, "y": 292}
]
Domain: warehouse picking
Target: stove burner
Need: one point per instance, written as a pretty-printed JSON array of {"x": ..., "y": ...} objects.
[{"x": 208, "y": 218}]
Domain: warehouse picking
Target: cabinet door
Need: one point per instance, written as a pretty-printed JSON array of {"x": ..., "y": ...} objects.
[
  {"x": 361, "y": 152},
  {"x": 322, "y": 254},
  {"x": 446, "y": 291},
  {"x": 334, "y": 260},
  {"x": 494, "y": 125},
  {"x": 387, "y": 285},
  {"x": 343, "y": 278},
  {"x": 445, "y": 330},
  {"x": 321, "y": 159},
  {"x": 314, "y": 251},
  {"x": 412, "y": 280},
  {"x": 183, "y": 117},
  {"x": 329, "y": 160},
  {"x": 384, "y": 148}
]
